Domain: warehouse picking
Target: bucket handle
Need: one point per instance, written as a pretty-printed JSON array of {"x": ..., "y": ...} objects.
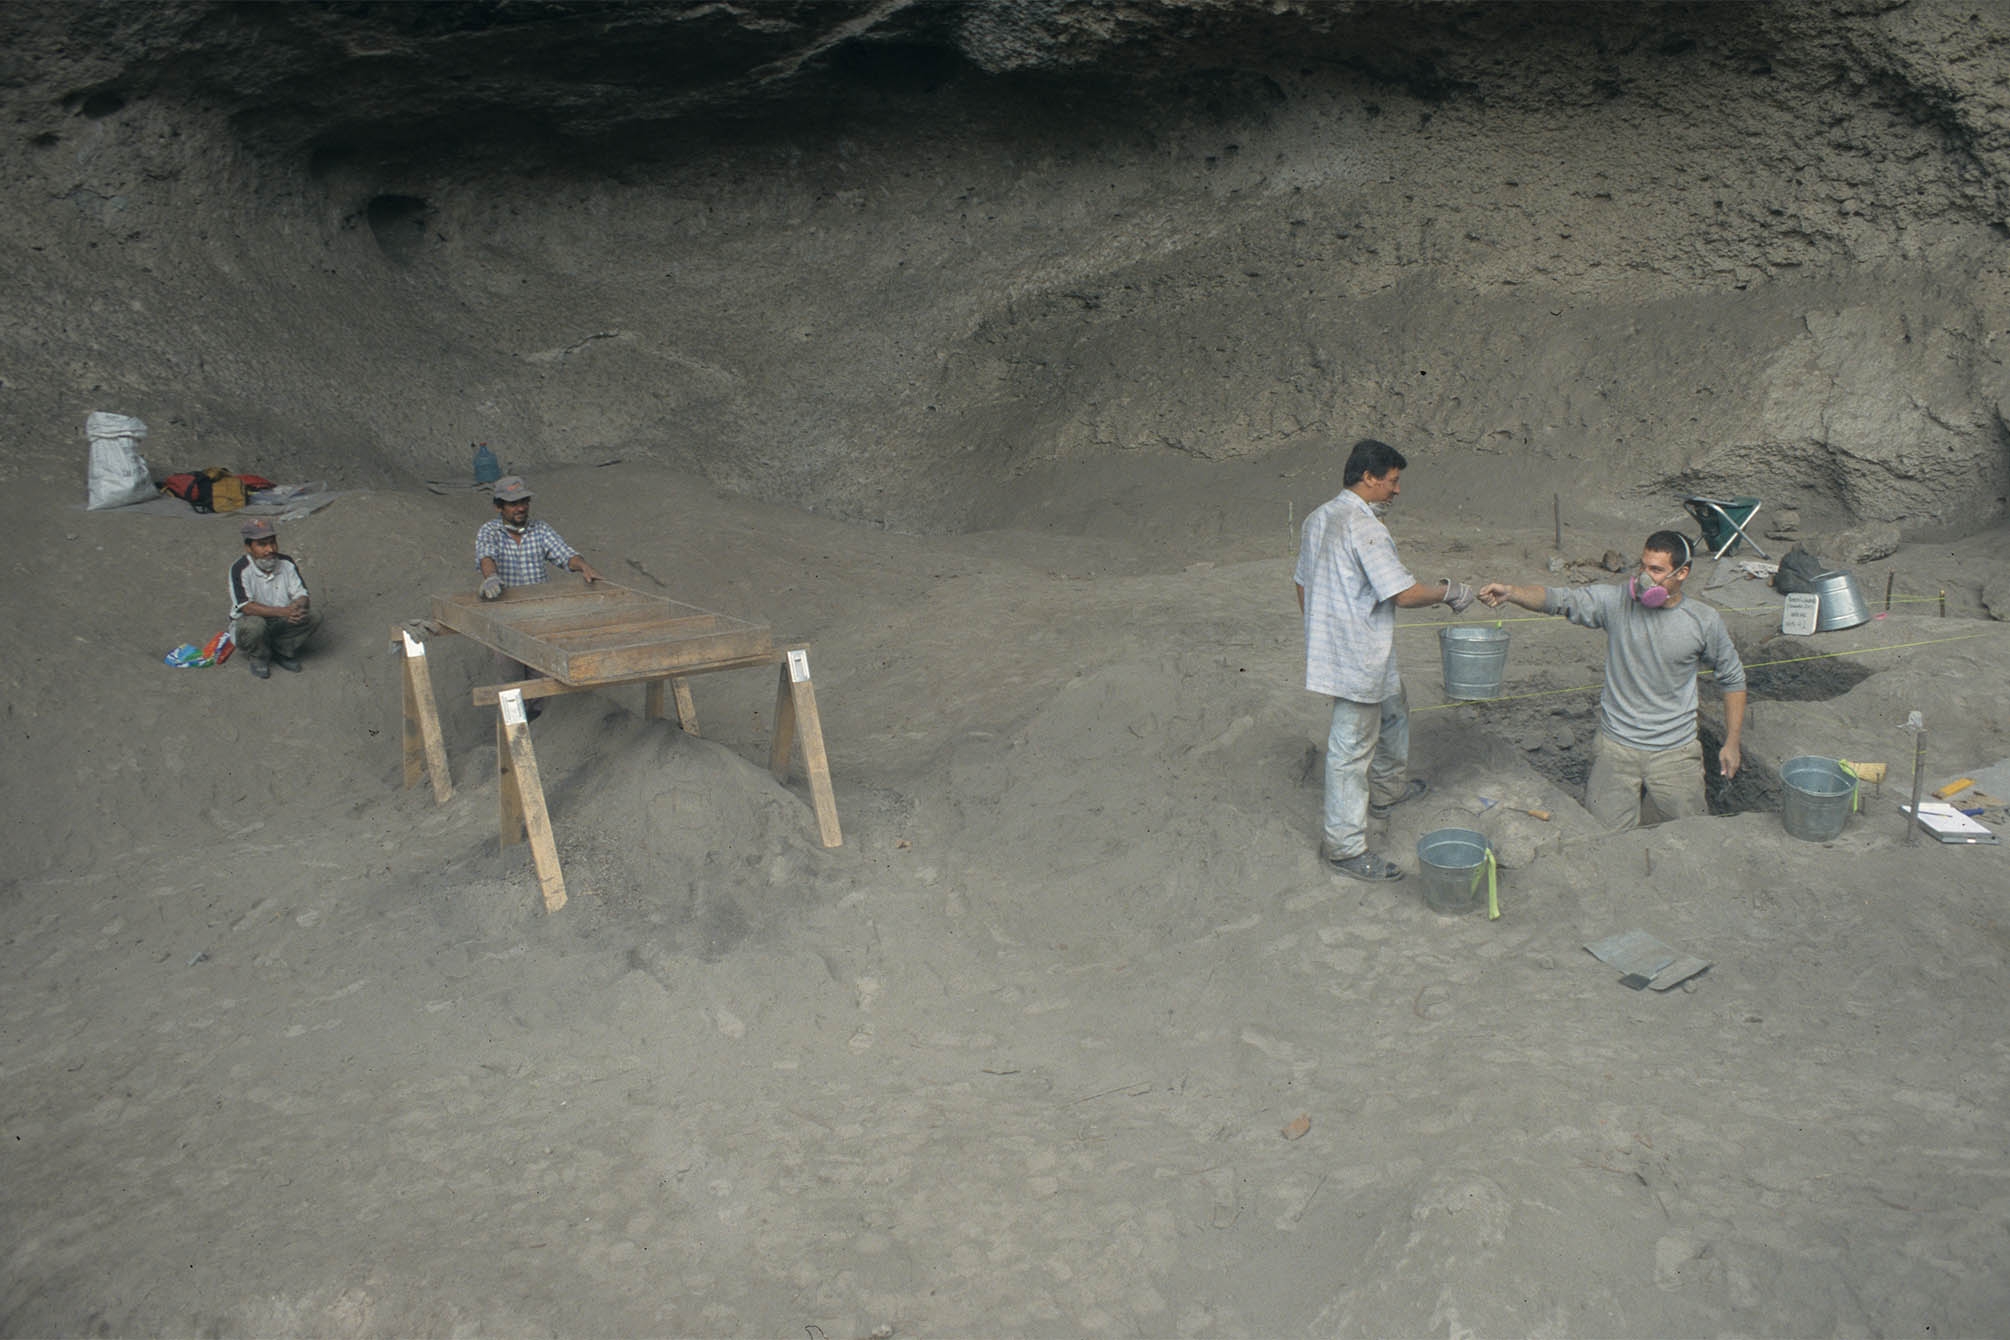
[{"x": 1493, "y": 886}]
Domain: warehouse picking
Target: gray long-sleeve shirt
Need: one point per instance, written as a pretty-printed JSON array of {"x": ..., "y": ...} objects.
[{"x": 1651, "y": 659}]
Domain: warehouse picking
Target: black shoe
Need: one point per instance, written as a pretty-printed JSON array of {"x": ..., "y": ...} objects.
[
  {"x": 1366, "y": 866},
  {"x": 259, "y": 668},
  {"x": 1417, "y": 786},
  {"x": 287, "y": 663}
]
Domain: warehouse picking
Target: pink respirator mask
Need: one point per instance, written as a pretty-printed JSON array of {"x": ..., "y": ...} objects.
[{"x": 1654, "y": 595}]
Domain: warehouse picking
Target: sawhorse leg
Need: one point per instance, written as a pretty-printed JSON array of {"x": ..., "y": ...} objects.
[
  {"x": 425, "y": 746},
  {"x": 522, "y": 797},
  {"x": 687, "y": 710},
  {"x": 796, "y": 709}
]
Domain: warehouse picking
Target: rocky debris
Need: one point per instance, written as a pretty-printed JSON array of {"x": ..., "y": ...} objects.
[{"x": 1857, "y": 545}]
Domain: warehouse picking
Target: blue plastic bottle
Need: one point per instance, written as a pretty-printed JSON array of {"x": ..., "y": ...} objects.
[{"x": 486, "y": 469}]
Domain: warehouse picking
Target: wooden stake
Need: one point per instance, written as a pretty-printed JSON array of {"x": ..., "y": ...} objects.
[
  {"x": 1918, "y": 784},
  {"x": 522, "y": 798},
  {"x": 784, "y": 741},
  {"x": 796, "y": 709},
  {"x": 1887, "y": 591},
  {"x": 687, "y": 709},
  {"x": 425, "y": 746},
  {"x": 509, "y": 800},
  {"x": 1556, "y": 515}
]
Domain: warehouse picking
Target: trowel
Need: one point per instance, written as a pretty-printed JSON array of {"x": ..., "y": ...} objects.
[{"x": 1486, "y": 805}]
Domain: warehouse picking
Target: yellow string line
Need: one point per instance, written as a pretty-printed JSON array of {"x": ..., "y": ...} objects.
[
  {"x": 1831, "y": 655},
  {"x": 1701, "y": 674},
  {"x": 1537, "y": 618}
]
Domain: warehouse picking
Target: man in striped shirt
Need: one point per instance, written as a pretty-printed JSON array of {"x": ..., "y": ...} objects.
[
  {"x": 1350, "y": 585},
  {"x": 271, "y": 617}
]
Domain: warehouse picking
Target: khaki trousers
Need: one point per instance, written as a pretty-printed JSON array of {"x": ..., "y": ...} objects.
[
  {"x": 1621, "y": 775},
  {"x": 262, "y": 638}
]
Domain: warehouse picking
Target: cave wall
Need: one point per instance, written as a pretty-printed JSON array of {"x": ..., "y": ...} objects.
[{"x": 879, "y": 259}]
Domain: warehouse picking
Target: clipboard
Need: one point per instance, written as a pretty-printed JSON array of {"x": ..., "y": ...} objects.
[{"x": 1950, "y": 825}]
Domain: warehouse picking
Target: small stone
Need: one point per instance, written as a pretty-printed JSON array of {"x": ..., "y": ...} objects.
[{"x": 1614, "y": 561}]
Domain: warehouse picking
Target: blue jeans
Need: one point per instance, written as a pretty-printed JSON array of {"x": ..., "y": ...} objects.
[{"x": 1367, "y": 757}]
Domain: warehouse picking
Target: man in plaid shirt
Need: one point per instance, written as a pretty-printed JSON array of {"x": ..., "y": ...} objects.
[
  {"x": 513, "y": 550},
  {"x": 1350, "y": 585}
]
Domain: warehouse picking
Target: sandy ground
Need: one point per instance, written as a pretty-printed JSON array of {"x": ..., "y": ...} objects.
[{"x": 290, "y": 1050}]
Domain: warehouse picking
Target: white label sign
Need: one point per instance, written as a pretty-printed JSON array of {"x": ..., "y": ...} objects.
[
  {"x": 799, "y": 666},
  {"x": 511, "y": 702},
  {"x": 413, "y": 647},
  {"x": 1798, "y": 619}
]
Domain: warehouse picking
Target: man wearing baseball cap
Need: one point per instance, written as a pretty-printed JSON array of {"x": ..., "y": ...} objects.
[
  {"x": 513, "y": 550},
  {"x": 270, "y": 615}
]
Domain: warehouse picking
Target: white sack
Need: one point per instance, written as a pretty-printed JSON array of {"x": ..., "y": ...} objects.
[{"x": 119, "y": 474}]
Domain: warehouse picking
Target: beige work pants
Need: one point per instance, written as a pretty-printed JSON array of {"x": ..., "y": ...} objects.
[{"x": 1620, "y": 776}]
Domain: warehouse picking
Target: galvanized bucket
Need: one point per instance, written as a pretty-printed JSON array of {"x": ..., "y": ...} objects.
[
  {"x": 1475, "y": 660},
  {"x": 1459, "y": 873},
  {"x": 1816, "y": 797},
  {"x": 1842, "y": 604}
]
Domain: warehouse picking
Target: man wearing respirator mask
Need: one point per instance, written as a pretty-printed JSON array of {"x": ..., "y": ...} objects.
[{"x": 1655, "y": 640}]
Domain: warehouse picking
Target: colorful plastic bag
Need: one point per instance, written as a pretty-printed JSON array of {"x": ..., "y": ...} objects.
[{"x": 188, "y": 656}]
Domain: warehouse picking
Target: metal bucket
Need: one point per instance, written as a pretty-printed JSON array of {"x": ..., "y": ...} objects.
[
  {"x": 1458, "y": 869},
  {"x": 1475, "y": 659},
  {"x": 1842, "y": 604},
  {"x": 1816, "y": 797}
]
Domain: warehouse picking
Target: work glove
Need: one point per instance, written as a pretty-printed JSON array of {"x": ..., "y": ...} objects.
[
  {"x": 1458, "y": 595},
  {"x": 492, "y": 587}
]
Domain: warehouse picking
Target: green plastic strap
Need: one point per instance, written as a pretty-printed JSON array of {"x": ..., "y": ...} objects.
[
  {"x": 1493, "y": 886},
  {"x": 1856, "y": 785}
]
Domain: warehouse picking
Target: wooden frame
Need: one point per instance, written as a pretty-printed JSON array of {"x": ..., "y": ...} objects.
[{"x": 601, "y": 636}]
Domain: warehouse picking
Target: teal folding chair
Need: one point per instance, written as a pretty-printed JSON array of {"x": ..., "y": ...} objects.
[{"x": 1723, "y": 521}]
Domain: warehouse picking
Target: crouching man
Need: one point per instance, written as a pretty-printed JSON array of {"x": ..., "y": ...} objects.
[{"x": 270, "y": 615}]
